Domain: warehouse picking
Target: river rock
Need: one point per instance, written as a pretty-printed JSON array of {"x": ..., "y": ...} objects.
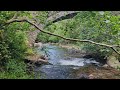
[
  {"x": 105, "y": 65},
  {"x": 91, "y": 76},
  {"x": 83, "y": 76},
  {"x": 38, "y": 45},
  {"x": 41, "y": 61}
]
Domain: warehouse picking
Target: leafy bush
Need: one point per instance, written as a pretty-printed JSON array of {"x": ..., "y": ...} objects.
[
  {"x": 102, "y": 28},
  {"x": 42, "y": 38},
  {"x": 13, "y": 45},
  {"x": 16, "y": 69}
]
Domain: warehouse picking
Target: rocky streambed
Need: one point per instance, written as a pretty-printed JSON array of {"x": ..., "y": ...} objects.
[{"x": 72, "y": 64}]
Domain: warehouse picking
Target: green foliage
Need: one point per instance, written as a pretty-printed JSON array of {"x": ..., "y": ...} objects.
[
  {"x": 42, "y": 37},
  {"x": 101, "y": 27},
  {"x": 6, "y": 15},
  {"x": 16, "y": 42},
  {"x": 29, "y": 51},
  {"x": 13, "y": 38},
  {"x": 13, "y": 45},
  {"x": 42, "y": 16},
  {"x": 16, "y": 69},
  {"x": 4, "y": 53}
]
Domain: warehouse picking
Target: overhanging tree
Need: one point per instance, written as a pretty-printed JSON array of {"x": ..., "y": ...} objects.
[{"x": 33, "y": 23}]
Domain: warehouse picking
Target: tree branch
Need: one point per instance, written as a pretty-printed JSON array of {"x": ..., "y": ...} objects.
[
  {"x": 115, "y": 50},
  {"x": 70, "y": 39},
  {"x": 15, "y": 15}
]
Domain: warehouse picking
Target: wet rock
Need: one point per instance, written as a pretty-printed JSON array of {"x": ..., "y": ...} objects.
[
  {"x": 105, "y": 66},
  {"x": 99, "y": 73},
  {"x": 88, "y": 56},
  {"x": 44, "y": 57},
  {"x": 83, "y": 76}
]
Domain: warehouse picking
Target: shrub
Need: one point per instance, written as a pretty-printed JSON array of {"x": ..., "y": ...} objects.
[{"x": 16, "y": 69}]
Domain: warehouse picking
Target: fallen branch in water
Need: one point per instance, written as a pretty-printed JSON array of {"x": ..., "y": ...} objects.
[{"x": 70, "y": 39}]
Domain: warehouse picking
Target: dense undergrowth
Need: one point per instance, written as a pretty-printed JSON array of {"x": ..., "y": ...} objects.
[{"x": 13, "y": 49}]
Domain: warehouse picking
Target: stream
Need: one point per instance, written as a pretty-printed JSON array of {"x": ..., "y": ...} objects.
[{"x": 65, "y": 64}]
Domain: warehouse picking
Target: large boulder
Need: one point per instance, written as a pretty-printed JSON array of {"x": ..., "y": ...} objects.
[{"x": 113, "y": 61}]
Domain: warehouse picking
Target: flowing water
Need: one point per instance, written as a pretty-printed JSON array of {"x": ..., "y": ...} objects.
[{"x": 63, "y": 64}]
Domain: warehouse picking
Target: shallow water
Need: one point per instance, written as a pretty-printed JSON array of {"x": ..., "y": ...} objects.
[{"x": 63, "y": 65}]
